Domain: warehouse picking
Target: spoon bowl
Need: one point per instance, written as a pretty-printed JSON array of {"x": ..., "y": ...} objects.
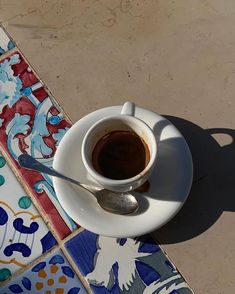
[{"x": 118, "y": 203}]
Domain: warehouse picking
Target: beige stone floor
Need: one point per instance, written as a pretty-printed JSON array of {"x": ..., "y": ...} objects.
[{"x": 174, "y": 57}]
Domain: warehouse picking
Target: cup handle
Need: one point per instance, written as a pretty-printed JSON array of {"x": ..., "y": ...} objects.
[{"x": 128, "y": 108}]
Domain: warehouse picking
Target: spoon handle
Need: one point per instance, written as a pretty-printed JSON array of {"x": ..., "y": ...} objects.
[{"x": 27, "y": 161}]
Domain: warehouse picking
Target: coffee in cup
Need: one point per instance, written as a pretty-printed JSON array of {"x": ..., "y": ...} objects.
[
  {"x": 120, "y": 155},
  {"x": 119, "y": 151}
]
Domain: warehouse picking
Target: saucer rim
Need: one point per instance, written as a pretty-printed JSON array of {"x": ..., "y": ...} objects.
[{"x": 112, "y": 232}]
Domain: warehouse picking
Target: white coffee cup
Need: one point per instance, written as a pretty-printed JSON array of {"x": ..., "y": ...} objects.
[{"x": 125, "y": 121}]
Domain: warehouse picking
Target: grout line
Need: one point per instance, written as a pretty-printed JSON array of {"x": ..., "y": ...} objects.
[
  {"x": 29, "y": 265},
  {"x": 41, "y": 211},
  {"x": 3, "y": 26},
  {"x": 60, "y": 242},
  {"x": 73, "y": 234},
  {"x": 17, "y": 174},
  {"x": 8, "y": 53},
  {"x": 55, "y": 102},
  {"x": 77, "y": 271},
  {"x": 17, "y": 49},
  {"x": 29, "y": 193},
  {"x": 25, "y": 185},
  {"x": 45, "y": 87},
  {"x": 155, "y": 239}
]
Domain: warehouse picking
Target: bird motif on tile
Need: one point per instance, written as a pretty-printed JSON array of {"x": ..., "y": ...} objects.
[{"x": 126, "y": 253}]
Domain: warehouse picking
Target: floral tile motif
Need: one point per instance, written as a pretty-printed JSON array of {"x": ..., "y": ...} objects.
[
  {"x": 125, "y": 265},
  {"x": 5, "y": 42},
  {"x": 53, "y": 275},
  {"x": 31, "y": 122},
  {"x": 23, "y": 234}
]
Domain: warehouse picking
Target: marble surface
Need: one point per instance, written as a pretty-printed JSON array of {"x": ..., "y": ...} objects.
[{"x": 174, "y": 57}]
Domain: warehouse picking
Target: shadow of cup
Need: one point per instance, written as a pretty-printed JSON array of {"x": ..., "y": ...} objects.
[{"x": 213, "y": 183}]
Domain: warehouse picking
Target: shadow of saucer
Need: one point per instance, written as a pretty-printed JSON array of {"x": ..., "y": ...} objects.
[{"x": 213, "y": 183}]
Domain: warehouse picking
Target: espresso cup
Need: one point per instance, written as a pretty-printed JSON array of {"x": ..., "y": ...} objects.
[{"x": 120, "y": 151}]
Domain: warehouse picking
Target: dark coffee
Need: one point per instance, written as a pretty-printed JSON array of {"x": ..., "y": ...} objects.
[{"x": 120, "y": 155}]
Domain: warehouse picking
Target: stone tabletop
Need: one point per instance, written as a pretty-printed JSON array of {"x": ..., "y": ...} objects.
[
  {"x": 34, "y": 224},
  {"x": 174, "y": 57}
]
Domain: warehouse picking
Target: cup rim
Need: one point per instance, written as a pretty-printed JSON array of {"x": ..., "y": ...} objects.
[{"x": 113, "y": 182}]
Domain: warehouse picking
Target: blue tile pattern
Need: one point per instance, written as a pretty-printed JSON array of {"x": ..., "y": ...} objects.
[
  {"x": 109, "y": 265},
  {"x": 31, "y": 123},
  {"x": 113, "y": 265},
  {"x": 5, "y": 42},
  {"x": 52, "y": 275},
  {"x": 24, "y": 236}
]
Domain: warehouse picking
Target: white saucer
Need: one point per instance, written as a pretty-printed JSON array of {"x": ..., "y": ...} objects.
[{"x": 170, "y": 182}]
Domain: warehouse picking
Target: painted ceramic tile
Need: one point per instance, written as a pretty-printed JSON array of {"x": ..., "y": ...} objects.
[
  {"x": 5, "y": 42},
  {"x": 31, "y": 122},
  {"x": 53, "y": 275},
  {"x": 125, "y": 265},
  {"x": 23, "y": 234}
]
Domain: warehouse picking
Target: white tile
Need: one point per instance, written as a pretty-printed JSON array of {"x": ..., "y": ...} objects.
[{"x": 22, "y": 228}]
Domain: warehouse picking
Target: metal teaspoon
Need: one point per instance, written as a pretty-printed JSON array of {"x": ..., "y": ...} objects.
[{"x": 118, "y": 203}]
